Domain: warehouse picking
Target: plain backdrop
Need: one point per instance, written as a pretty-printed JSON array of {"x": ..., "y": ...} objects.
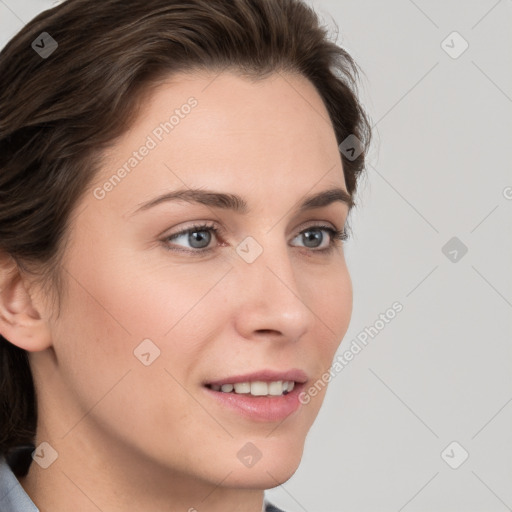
[{"x": 421, "y": 418}]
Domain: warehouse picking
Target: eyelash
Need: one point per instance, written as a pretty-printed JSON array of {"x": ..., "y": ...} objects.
[{"x": 336, "y": 235}]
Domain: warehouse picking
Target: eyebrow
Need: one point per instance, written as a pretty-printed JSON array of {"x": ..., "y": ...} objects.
[{"x": 237, "y": 204}]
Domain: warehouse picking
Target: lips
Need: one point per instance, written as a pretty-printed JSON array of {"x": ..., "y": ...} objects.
[
  {"x": 262, "y": 396},
  {"x": 264, "y": 409}
]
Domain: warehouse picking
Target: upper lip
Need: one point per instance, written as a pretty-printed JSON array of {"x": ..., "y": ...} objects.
[{"x": 263, "y": 375}]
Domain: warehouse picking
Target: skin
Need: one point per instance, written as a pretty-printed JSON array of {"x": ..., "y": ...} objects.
[{"x": 132, "y": 437}]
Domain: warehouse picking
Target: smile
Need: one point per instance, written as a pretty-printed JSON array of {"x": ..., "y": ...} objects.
[
  {"x": 260, "y": 396},
  {"x": 256, "y": 388}
]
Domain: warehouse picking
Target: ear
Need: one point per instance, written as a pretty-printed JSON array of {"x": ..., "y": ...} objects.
[{"x": 20, "y": 320}]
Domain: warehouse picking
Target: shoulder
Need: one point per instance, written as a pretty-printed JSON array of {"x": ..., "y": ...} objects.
[
  {"x": 271, "y": 508},
  {"x": 13, "y": 497}
]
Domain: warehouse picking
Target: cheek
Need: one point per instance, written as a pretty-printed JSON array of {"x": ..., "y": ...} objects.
[
  {"x": 337, "y": 300},
  {"x": 107, "y": 313},
  {"x": 332, "y": 303},
  {"x": 113, "y": 309},
  {"x": 333, "y": 310}
]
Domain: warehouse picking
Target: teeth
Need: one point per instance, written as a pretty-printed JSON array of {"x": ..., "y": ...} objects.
[
  {"x": 275, "y": 388},
  {"x": 257, "y": 388},
  {"x": 243, "y": 387}
]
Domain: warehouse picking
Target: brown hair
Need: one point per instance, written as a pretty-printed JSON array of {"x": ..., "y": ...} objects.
[{"x": 58, "y": 111}]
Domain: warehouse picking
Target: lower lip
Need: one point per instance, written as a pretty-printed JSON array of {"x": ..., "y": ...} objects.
[{"x": 260, "y": 408}]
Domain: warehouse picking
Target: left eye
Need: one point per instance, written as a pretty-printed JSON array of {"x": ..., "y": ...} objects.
[{"x": 199, "y": 238}]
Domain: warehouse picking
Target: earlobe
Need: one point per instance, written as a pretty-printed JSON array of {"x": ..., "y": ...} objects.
[{"x": 20, "y": 321}]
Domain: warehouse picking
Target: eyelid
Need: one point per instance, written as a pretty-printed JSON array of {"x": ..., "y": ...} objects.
[
  {"x": 223, "y": 231},
  {"x": 319, "y": 223},
  {"x": 335, "y": 236}
]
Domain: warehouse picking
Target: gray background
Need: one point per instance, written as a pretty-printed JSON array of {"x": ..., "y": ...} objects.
[{"x": 441, "y": 370}]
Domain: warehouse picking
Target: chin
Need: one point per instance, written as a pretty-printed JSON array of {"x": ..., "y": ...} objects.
[
  {"x": 277, "y": 464},
  {"x": 262, "y": 478}
]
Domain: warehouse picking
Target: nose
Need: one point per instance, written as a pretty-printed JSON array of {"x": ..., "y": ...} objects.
[{"x": 271, "y": 297}]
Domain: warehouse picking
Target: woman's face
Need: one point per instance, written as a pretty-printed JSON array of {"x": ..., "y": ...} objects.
[{"x": 147, "y": 323}]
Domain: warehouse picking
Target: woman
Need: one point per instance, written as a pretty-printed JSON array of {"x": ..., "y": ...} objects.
[{"x": 176, "y": 179}]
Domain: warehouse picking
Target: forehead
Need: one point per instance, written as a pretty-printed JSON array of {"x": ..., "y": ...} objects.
[{"x": 226, "y": 131}]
